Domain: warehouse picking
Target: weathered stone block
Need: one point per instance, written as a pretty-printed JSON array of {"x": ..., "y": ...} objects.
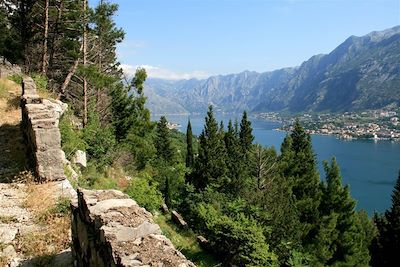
[
  {"x": 48, "y": 139},
  {"x": 164, "y": 208},
  {"x": 79, "y": 158},
  {"x": 177, "y": 218},
  {"x": 110, "y": 229}
]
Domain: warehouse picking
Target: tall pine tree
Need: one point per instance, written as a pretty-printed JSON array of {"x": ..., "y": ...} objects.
[
  {"x": 210, "y": 167},
  {"x": 339, "y": 241},
  {"x": 300, "y": 168},
  {"x": 246, "y": 134},
  {"x": 387, "y": 243}
]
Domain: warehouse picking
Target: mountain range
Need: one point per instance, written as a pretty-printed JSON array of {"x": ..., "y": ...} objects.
[{"x": 361, "y": 73}]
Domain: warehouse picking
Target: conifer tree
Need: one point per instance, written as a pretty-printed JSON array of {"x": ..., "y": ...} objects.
[
  {"x": 339, "y": 240},
  {"x": 233, "y": 162},
  {"x": 386, "y": 245},
  {"x": 168, "y": 192},
  {"x": 189, "y": 146},
  {"x": 300, "y": 168},
  {"x": 246, "y": 133},
  {"x": 163, "y": 141},
  {"x": 129, "y": 115},
  {"x": 210, "y": 167},
  {"x": 393, "y": 219}
]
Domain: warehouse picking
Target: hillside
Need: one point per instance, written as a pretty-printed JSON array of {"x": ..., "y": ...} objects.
[{"x": 361, "y": 73}]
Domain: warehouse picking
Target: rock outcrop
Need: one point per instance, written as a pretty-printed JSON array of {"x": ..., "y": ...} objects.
[
  {"x": 8, "y": 69},
  {"x": 40, "y": 118},
  {"x": 110, "y": 229}
]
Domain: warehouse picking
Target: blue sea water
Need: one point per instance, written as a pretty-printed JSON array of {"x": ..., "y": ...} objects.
[{"x": 369, "y": 167}]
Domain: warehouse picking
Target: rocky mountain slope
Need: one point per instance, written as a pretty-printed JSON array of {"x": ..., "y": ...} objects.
[{"x": 361, "y": 73}]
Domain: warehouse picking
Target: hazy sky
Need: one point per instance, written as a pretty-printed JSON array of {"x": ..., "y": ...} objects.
[{"x": 197, "y": 38}]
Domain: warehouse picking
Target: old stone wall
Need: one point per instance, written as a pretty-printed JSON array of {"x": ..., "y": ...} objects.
[
  {"x": 110, "y": 229},
  {"x": 40, "y": 118}
]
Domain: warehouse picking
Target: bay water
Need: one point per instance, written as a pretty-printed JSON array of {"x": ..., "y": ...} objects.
[{"x": 369, "y": 167}]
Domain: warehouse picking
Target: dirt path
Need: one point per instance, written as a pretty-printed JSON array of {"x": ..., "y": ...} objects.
[
  {"x": 34, "y": 219},
  {"x": 12, "y": 152}
]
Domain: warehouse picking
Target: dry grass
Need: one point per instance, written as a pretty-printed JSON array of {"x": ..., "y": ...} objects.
[
  {"x": 52, "y": 216},
  {"x": 44, "y": 93},
  {"x": 9, "y": 102}
]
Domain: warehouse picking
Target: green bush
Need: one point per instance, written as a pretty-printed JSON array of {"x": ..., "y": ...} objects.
[
  {"x": 145, "y": 193},
  {"x": 71, "y": 139},
  {"x": 99, "y": 139},
  {"x": 40, "y": 81},
  {"x": 238, "y": 238}
]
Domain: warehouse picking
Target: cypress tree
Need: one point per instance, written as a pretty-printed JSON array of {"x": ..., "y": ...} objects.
[
  {"x": 189, "y": 146},
  {"x": 168, "y": 192}
]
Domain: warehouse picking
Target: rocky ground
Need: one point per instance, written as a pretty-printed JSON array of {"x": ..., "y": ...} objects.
[{"x": 34, "y": 220}]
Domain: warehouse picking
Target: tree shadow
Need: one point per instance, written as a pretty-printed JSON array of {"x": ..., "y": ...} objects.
[
  {"x": 13, "y": 103},
  {"x": 62, "y": 259},
  {"x": 13, "y": 158}
]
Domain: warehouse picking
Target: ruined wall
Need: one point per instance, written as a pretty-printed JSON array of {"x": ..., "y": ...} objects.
[
  {"x": 40, "y": 118},
  {"x": 110, "y": 229}
]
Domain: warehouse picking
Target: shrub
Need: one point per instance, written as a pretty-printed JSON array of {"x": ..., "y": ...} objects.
[
  {"x": 71, "y": 139},
  {"x": 99, "y": 139},
  {"x": 145, "y": 192}
]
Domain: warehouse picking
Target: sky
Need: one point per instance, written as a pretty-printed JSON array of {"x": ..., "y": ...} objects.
[{"x": 183, "y": 39}]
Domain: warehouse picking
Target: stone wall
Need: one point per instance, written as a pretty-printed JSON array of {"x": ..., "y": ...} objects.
[
  {"x": 110, "y": 229},
  {"x": 40, "y": 118}
]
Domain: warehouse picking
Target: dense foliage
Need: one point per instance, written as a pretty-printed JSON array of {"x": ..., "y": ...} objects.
[{"x": 256, "y": 207}]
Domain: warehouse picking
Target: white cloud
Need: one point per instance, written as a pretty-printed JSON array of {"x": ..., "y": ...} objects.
[{"x": 162, "y": 73}]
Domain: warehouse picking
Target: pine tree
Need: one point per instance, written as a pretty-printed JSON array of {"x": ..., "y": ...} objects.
[
  {"x": 189, "y": 146},
  {"x": 246, "y": 134},
  {"x": 234, "y": 164},
  {"x": 210, "y": 167},
  {"x": 163, "y": 141},
  {"x": 300, "y": 168},
  {"x": 345, "y": 242},
  {"x": 129, "y": 115},
  {"x": 386, "y": 245},
  {"x": 393, "y": 219}
]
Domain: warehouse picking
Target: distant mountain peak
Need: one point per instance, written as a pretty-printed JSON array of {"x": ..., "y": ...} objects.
[{"x": 361, "y": 73}]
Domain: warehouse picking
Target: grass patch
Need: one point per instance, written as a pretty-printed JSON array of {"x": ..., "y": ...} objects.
[
  {"x": 186, "y": 242},
  {"x": 41, "y": 86},
  {"x": 16, "y": 78},
  {"x": 7, "y": 87}
]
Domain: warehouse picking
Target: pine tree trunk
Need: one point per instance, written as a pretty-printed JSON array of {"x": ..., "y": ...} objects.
[
  {"x": 84, "y": 42},
  {"x": 55, "y": 33},
  {"x": 71, "y": 73},
  {"x": 45, "y": 37}
]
